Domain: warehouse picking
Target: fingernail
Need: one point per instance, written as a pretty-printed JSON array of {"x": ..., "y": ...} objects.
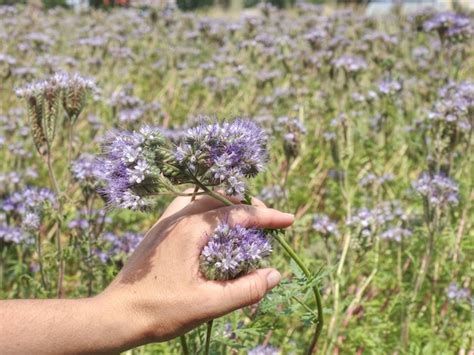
[{"x": 273, "y": 278}]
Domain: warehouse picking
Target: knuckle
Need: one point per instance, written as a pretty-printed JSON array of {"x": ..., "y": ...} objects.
[{"x": 241, "y": 213}]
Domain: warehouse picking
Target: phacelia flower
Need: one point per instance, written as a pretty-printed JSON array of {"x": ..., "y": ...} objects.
[
  {"x": 272, "y": 193},
  {"x": 234, "y": 251},
  {"x": 264, "y": 350},
  {"x": 396, "y": 233},
  {"x": 455, "y": 105},
  {"x": 324, "y": 225},
  {"x": 449, "y": 25},
  {"x": 30, "y": 199},
  {"x": 86, "y": 169},
  {"x": 121, "y": 245},
  {"x": 439, "y": 190},
  {"x": 389, "y": 87},
  {"x": 223, "y": 154},
  {"x": 30, "y": 222},
  {"x": 12, "y": 234},
  {"x": 350, "y": 64},
  {"x": 381, "y": 218},
  {"x": 456, "y": 293},
  {"x": 131, "y": 167}
]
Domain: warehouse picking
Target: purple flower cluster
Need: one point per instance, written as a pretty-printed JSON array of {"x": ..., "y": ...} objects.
[
  {"x": 371, "y": 179},
  {"x": 380, "y": 220},
  {"x": 439, "y": 190},
  {"x": 223, "y": 154},
  {"x": 351, "y": 64},
  {"x": 234, "y": 251},
  {"x": 324, "y": 225},
  {"x": 396, "y": 234},
  {"x": 130, "y": 108},
  {"x": 30, "y": 199},
  {"x": 86, "y": 169},
  {"x": 272, "y": 193},
  {"x": 456, "y": 293},
  {"x": 455, "y": 105},
  {"x": 130, "y": 170},
  {"x": 86, "y": 219},
  {"x": 389, "y": 87},
  {"x": 13, "y": 235},
  {"x": 264, "y": 350},
  {"x": 118, "y": 246},
  {"x": 449, "y": 25}
]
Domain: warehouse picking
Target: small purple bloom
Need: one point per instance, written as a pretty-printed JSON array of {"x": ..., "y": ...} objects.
[
  {"x": 264, "y": 350},
  {"x": 456, "y": 293},
  {"x": 439, "y": 190},
  {"x": 350, "y": 64},
  {"x": 324, "y": 225}
]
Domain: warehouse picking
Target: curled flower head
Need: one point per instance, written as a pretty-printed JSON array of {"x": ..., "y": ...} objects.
[
  {"x": 293, "y": 131},
  {"x": 43, "y": 100},
  {"x": 234, "y": 251},
  {"x": 76, "y": 88},
  {"x": 223, "y": 154}
]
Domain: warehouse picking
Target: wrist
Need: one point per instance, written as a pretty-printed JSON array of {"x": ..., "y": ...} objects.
[{"x": 121, "y": 325}]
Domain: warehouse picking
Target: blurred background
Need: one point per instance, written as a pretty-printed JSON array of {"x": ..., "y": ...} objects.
[{"x": 218, "y": 6}]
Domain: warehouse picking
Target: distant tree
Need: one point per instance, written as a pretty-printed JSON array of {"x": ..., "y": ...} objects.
[{"x": 187, "y": 5}]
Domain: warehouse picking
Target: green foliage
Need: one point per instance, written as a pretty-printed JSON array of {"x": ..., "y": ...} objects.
[
  {"x": 189, "y": 5},
  {"x": 48, "y": 4}
]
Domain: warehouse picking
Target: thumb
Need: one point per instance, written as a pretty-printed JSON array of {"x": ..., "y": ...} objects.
[{"x": 244, "y": 291}]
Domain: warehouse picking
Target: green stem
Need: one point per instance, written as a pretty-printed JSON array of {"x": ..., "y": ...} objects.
[
  {"x": 317, "y": 295},
  {"x": 55, "y": 186},
  {"x": 213, "y": 194},
  {"x": 208, "y": 337},
  {"x": 184, "y": 345},
  {"x": 40, "y": 262}
]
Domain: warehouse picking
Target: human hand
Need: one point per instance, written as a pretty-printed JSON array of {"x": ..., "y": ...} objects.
[{"x": 161, "y": 294}]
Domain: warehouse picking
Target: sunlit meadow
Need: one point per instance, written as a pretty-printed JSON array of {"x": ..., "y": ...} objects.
[{"x": 361, "y": 126}]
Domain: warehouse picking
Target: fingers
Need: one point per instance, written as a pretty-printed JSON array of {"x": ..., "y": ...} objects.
[
  {"x": 227, "y": 296},
  {"x": 258, "y": 203},
  {"x": 201, "y": 203},
  {"x": 251, "y": 216}
]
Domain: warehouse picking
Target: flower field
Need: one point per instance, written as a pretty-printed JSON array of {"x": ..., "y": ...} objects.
[{"x": 360, "y": 126}]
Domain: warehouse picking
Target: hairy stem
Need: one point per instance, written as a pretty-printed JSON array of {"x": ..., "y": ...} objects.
[
  {"x": 56, "y": 190},
  {"x": 40, "y": 262},
  {"x": 317, "y": 295},
  {"x": 208, "y": 337},
  {"x": 184, "y": 344}
]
